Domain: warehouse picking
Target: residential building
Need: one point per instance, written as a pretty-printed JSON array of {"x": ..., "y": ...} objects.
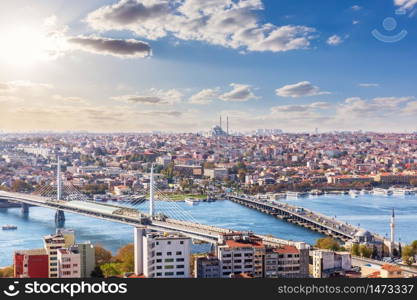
[
  {"x": 206, "y": 267},
  {"x": 327, "y": 262},
  {"x": 166, "y": 255},
  {"x": 31, "y": 264},
  {"x": 51, "y": 245},
  {"x": 68, "y": 263},
  {"x": 87, "y": 258},
  {"x": 241, "y": 253},
  {"x": 283, "y": 262}
]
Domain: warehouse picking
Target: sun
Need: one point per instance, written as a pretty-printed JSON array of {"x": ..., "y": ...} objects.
[{"x": 25, "y": 46}]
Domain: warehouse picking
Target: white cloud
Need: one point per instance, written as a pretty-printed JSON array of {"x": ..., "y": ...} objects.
[
  {"x": 239, "y": 93},
  {"x": 153, "y": 97},
  {"x": 334, "y": 40},
  {"x": 366, "y": 85},
  {"x": 205, "y": 96},
  {"x": 301, "y": 89},
  {"x": 227, "y": 23},
  {"x": 356, "y": 7},
  {"x": 129, "y": 48},
  {"x": 405, "y": 4}
]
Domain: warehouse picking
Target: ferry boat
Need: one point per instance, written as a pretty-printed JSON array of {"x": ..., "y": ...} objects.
[
  {"x": 9, "y": 227},
  {"x": 354, "y": 193},
  {"x": 401, "y": 192},
  {"x": 382, "y": 192},
  {"x": 192, "y": 201},
  {"x": 296, "y": 195}
]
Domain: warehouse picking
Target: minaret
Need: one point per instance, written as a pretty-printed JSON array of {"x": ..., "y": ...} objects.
[
  {"x": 392, "y": 226},
  {"x": 227, "y": 125}
]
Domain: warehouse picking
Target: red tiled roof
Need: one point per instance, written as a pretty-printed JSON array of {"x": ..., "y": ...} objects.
[
  {"x": 287, "y": 250},
  {"x": 240, "y": 244}
]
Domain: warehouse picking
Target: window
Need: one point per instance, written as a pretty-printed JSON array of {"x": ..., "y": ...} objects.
[
  {"x": 169, "y": 242},
  {"x": 180, "y": 259},
  {"x": 169, "y": 267},
  {"x": 158, "y": 260},
  {"x": 158, "y": 274},
  {"x": 169, "y": 273},
  {"x": 181, "y": 242},
  {"x": 180, "y": 267},
  {"x": 179, "y": 253},
  {"x": 158, "y": 267},
  {"x": 180, "y": 273},
  {"x": 169, "y": 260},
  {"x": 158, "y": 253},
  {"x": 169, "y": 253}
]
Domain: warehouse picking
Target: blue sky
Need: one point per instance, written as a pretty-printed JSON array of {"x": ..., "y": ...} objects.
[{"x": 177, "y": 65}]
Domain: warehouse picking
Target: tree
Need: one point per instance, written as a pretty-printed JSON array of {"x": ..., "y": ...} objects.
[
  {"x": 7, "y": 272},
  {"x": 355, "y": 250},
  {"x": 328, "y": 243},
  {"x": 365, "y": 251},
  {"x": 110, "y": 269},
  {"x": 103, "y": 256},
  {"x": 126, "y": 257},
  {"x": 414, "y": 246},
  {"x": 97, "y": 273},
  {"x": 408, "y": 255}
]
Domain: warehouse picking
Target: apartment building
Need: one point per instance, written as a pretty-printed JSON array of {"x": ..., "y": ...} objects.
[
  {"x": 69, "y": 263},
  {"x": 87, "y": 258},
  {"x": 206, "y": 267},
  {"x": 327, "y": 262},
  {"x": 283, "y": 262},
  {"x": 31, "y": 264},
  {"x": 241, "y": 253},
  {"x": 166, "y": 255},
  {"x": 51, "y": 245}
]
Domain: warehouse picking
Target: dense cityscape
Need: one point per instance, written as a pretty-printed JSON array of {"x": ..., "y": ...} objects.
[{"x": 266, "y": 166}]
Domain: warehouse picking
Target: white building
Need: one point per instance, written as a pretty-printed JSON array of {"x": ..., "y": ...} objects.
[
  {"x": 217, "y": 173},
  {"x": 68, "y": 263},
  {"x": 162, "y": 255},
  {"x": 87, "y": 258},
  {"x": 326, "y": 262},
  {"x": 51, "y": 245}
]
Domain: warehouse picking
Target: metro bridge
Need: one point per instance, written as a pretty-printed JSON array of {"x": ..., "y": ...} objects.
[{"x": 75, "y": 202}]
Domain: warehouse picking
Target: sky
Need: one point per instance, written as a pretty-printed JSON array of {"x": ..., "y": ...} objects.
[{"x": 178, "y": 65}]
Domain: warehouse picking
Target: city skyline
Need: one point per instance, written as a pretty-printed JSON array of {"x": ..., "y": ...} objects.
[{"x": 176, "y": 66}]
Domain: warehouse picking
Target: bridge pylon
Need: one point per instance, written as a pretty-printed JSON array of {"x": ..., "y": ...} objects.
[{"x": 59, "y": 215}]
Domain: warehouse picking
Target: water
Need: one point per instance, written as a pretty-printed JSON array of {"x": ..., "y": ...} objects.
[{"x": 371, "y": 212}]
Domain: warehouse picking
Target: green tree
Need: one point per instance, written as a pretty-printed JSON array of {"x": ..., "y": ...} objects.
[
  {"x": 408, "y": 255},
  {"x": 328, "y": 243},
  {"x": 126, "y": 257},
  {"x": 355, "y": 250},
  {"x": 110, "y": 269},
  {"x": 365, "y": 251},
  {"x": 103, "y": 256}
]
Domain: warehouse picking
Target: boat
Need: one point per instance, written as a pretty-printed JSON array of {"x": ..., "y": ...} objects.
[
  {"x": 354, "y": 193},
  {"x": 192, "y": 201},
  {"x": 295, "y": 195},
  {"x": 401, "y": 192},
  {"x": 382, "y": 192},
  {"x": 9, "y": 227}
]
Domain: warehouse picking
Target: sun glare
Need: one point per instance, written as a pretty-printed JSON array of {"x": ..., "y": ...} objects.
[{"x": 27, "y": 46}]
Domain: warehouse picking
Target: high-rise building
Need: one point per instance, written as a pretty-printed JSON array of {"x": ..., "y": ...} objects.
[
  {"x": 206, "y": 267},
  {"x": 31, "y": 264},
  {"x": 160, "y": 255},
  {"x": 283, "y": 262},
  {"x": 51, "y": 245},
  {"x": 241, "y": 253},
  {"x": 68, "y": 263},
  {"x": 326, "y": 262},
  {"x": 87, "y": 258}
]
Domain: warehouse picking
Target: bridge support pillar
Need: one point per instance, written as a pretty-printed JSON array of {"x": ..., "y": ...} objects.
[
  {"x": 138, "y": 235},
  {"x": 59, "y": 218},
  {"x": 25, "y": 208}
]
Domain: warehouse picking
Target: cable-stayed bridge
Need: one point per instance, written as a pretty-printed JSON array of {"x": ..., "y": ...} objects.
[{"x": 63, "y": 197}]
